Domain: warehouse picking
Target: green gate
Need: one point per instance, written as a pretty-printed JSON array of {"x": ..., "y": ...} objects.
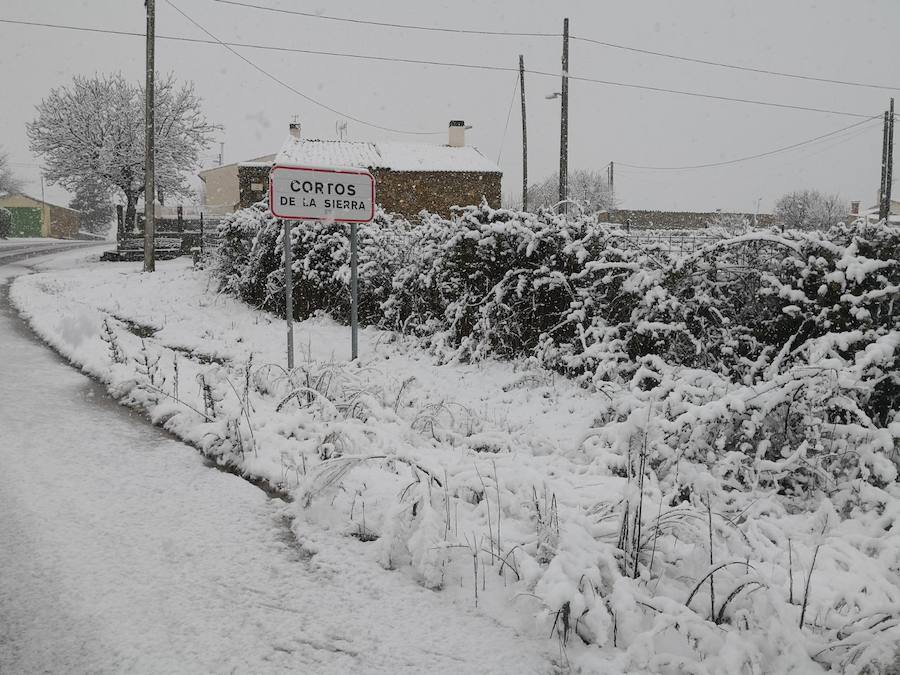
[{"x": 26, "y": 221}]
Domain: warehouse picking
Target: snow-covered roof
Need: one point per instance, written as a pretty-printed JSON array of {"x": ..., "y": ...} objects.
[
  {"x": 12, "y": 195},
  {"x": 394, "y": 156},
  {"x": 265, "y": 160}
]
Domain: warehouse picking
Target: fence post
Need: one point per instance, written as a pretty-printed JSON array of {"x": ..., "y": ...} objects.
[{"x": 120, "y": 222}]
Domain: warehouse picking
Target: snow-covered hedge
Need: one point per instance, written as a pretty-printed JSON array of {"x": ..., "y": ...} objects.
[
  {"x": 586, "y": 299},
  {"x": 774, "y": 359}
]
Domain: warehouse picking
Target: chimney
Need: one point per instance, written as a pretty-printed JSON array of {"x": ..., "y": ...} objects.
[
  {"x": 854, "y": 208},
  {"x": 457, "y": 134},
  {"x": 294, "y": 128}
]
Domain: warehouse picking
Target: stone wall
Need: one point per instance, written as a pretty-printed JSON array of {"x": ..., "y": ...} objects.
[
  {"x": 678, "y": 220},
  {"x": 409, "y": 192},
  {"x": 64, "y": 223},
  {"x": 403, "y": 192},
  {"x": 253, "y": 183}
]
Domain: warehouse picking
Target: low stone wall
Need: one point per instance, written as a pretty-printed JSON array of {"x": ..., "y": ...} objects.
[
  {"x": 64, "y": 223},
  {"x": 172, "y": 237},
  {"x": 679, "y": 220}
]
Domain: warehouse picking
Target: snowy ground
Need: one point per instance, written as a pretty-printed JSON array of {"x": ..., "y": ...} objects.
[
  {"x": 123, "y": 552},
  {"x": 496, "y": 482}
]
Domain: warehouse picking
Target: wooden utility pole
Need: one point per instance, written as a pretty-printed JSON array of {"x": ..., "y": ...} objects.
[
  {"x": 884, "y": 152},
  {"x": 524, "y": 135},
  {"x": 612, "y": 178},
  {"x": 149, "y": 183},
  {"x": 564, "y": 123},
  {"x": 889, "y": 173}
]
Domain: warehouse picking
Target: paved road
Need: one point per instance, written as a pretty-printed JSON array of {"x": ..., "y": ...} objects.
[
  {"x": 12, "y": 251},
  {"x": 121, "y": 551}
]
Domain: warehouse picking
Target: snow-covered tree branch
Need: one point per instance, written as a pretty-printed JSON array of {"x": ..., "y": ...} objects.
[
  {"x": 9, "y": 183},
  {"x": 810, "y": 210},
  {"x": 589, "y": 189},
  {"x": 93, "y": 132}
]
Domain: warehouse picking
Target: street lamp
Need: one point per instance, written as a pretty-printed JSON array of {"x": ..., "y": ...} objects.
[{"x": 563, "y": 151}]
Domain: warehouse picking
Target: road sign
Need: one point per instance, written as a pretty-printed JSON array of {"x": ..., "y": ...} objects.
[{"x": 313, "y": 193}]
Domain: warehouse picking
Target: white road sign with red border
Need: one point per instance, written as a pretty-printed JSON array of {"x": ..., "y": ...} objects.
[{"x": 315, "y": 193}]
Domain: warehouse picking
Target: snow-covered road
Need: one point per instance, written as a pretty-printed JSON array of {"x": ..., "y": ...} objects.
[
  {"x": 121, "y": 551},
  {"x": 17, "y": 250}
]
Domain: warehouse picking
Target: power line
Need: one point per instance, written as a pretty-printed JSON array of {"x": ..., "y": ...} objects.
[
  {"x": 540, "y": 73},
  {"x": 749, "y": 157},
  {"x": 731, "y": 66},
  {"x": 508, "y": 115},
  {"x": 603, "y": 43},
  {"x": 275, "y": 48},
  {"x": 297, "y": 91},
  {"x": 384, "y": 24},
  {"x": 696, "y": 94}
]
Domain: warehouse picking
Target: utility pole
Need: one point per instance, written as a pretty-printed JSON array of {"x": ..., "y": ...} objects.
[
  {"x": 884, "y": 153},
  {"x": 564, "y": 124},
  {"x": 889, "y": 173},
  {"x": 149, "y": 183},
  {"x": 45, "y": 216},
  {"x": 524, "y": 135},
  {"x": 612, "y": 179}
]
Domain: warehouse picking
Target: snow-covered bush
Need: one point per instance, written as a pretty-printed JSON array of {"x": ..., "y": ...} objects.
[
  {"x": 773, "y": 358},
  {"x": 251, "y": 262}
]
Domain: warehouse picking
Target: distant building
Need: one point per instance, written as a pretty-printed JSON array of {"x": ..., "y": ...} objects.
[
  {"x": 221, "y": 192},
  {"x": 680, "y": 220},
  {"x": 870, "y": 215},
  {"x": 409, "y": 177},
  {"x": 35, "y": 218}
]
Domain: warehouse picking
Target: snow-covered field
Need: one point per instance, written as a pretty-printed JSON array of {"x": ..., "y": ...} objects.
[{"x": 504, "y": 485}]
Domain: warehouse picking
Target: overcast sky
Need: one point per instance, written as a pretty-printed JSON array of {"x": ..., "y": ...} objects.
[{"x": 836, "y": 39}]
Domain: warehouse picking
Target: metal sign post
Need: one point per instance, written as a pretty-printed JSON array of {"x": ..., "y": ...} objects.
[
  {"x": 289, "y": 293},
  {"x": 325, "y": 194},
  {"x": 354, "y": 295}
]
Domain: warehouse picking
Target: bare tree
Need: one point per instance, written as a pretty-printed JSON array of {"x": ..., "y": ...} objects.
[
  {"x": 9, "y": 183},
  {"x": 809, "y": 210},
  {"x": 589, "y": 189},
  {"x": 92, "y": 132}
]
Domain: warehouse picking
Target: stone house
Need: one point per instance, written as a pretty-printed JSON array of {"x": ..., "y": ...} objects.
[
  {"x": 221, "y": 188},
  {"x": 870, "y": 215},
  {"x": 409, "y": 177},
  {"x": 33, "y": 217}
]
